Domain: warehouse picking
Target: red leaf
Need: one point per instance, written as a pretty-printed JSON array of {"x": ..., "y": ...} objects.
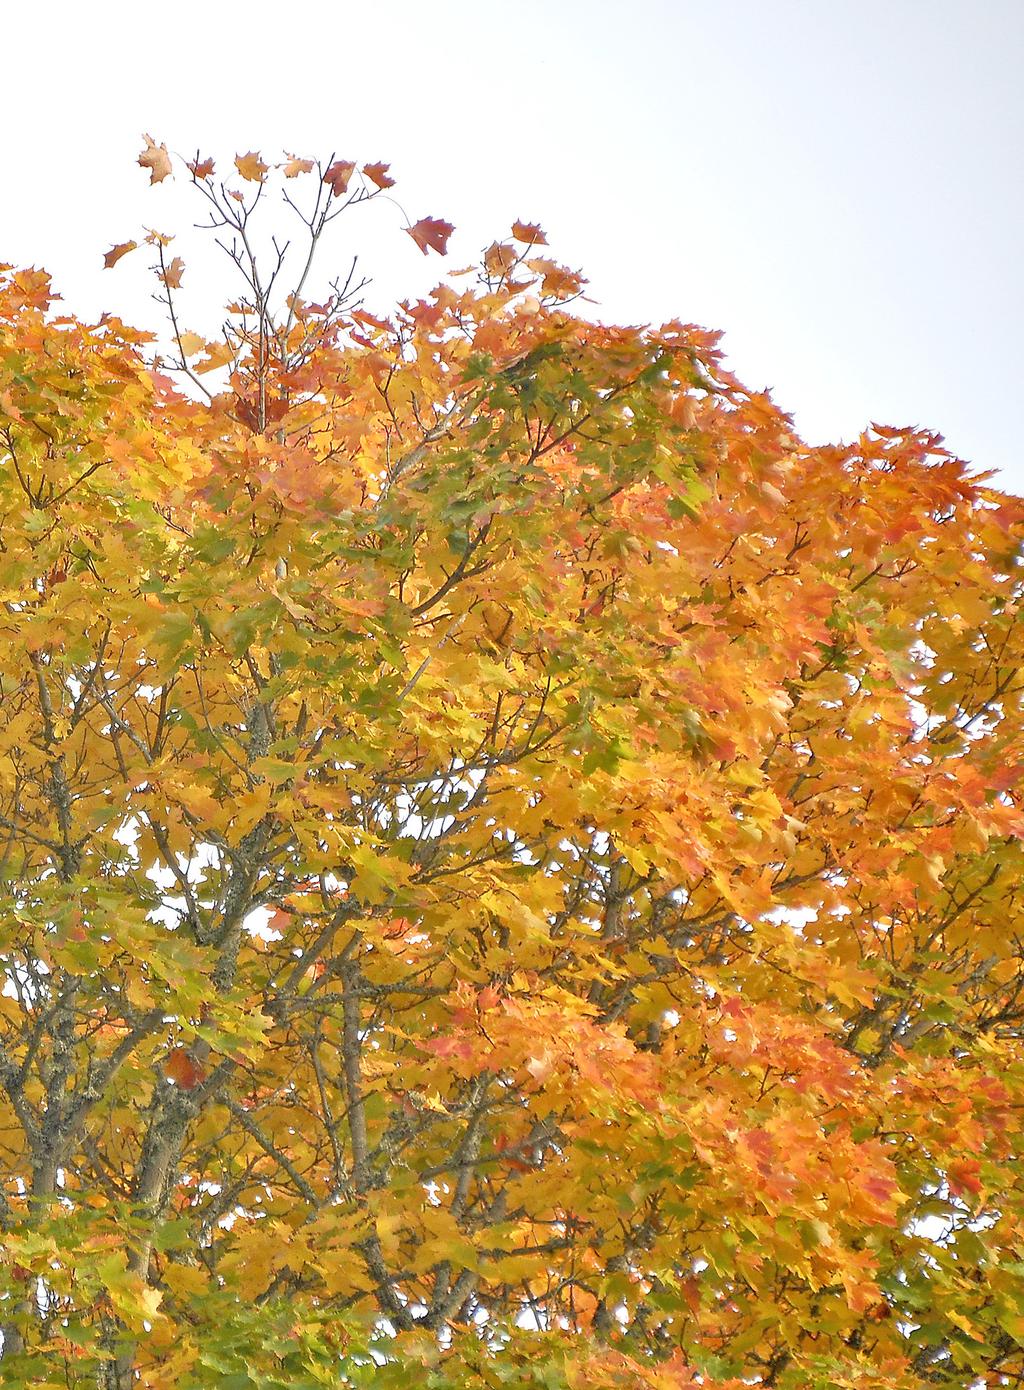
[
  {"x": 502, "y": 1145},
  {"x": 430, "y": 233},
  {"x": 201, "y": 168}
]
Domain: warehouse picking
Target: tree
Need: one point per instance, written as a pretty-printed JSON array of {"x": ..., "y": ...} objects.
[{"x": 511, "y": 861}]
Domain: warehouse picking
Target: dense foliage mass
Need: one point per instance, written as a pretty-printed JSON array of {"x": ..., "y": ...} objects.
[{"x": 511, "y": 861}]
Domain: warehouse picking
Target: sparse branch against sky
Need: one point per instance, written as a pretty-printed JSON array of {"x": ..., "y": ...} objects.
[{"x": 836, "y": 186}]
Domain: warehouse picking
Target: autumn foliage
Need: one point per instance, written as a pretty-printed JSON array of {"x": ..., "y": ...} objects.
[{"x": 511, "y": 861}]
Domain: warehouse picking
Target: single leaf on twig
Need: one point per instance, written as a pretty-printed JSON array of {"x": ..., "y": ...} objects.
[
  {"x": 378, "y": 173},
  {"x": 156, "y": 159},
  {"x": 431, "y": 233},
  {"x": 190, "y": 344},
  {"x": 338, "y": 176},
  {"x": 116, "y": 252},
  {"x": 251, "y": 167},
  {"x": 217, "y": 355},
  {"x": 294, "y": 166},
  {"x": 530, "y": 233}
]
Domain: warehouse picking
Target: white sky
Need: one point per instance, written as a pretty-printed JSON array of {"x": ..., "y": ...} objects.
[{"x": 835, "y": 183}]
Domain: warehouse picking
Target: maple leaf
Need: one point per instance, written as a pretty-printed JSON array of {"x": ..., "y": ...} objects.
[
  {"x": 251, "y": 167},
  {"x": 294, "y": 166},
  {"x": 498, "y": 622},
  {"x": 173, "y": 272},
  {"x": 201, "y": 168},
  {"x": 156, "y": 159},
  {"x": 430, "y": 233},
  {"x": 279, "y": 921},
  {"x": 182, "y": 1068},
  {"x": 378, "y": 173},
  {"x": 338, "y": 175},
  {"x": 500, "y": 258},
  {"x": 530, "y": 233},
  {"x": 116, "y": 252},
  {"x": 556, "y": 280},
  {"x": 190, "y": 344},
  {"x": 149, "y": 1301},
  {"x": 217, "y": 355}
]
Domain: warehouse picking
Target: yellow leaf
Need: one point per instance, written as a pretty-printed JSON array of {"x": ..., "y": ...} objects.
[
  {"x": 190, "y": 344},
  {"x": 251, "y": 167}
]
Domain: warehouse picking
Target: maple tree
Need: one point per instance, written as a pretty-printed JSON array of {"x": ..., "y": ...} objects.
[{"x": 510, "y": 859}]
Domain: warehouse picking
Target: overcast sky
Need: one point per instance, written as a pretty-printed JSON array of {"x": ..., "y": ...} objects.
[{"x": 836, "y": 184}]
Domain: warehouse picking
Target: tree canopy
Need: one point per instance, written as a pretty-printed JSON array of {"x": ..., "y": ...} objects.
[{"x": 510, "y": 860}]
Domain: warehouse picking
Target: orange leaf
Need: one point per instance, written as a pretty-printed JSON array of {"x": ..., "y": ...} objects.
[
  {"x": 502, "y": 1145},
  {"x": 279, "y": 920},
  {"x": 530, "y": 233},
  {"x": 379, "y": 174},
  {"x": 556, "y": 280},
  {"x": 201, "y": 168},
  {"x": 487, "y": 998},
  {"x": 116, "y": 252},
  {"x": 217, "y": 355},
  {"x": 251, "y": 167},
  {"x": 500, "y": 258},
  {"x": 182, "y": 1068},
  {"x": 294, "y": 166},
  {"x": 173, "y": 273}
]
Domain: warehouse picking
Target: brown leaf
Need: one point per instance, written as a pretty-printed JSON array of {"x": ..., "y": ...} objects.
[
  {"x": 156, "y": 159},
  {"x": 251, "y": 167},
  {"x": 378, "y": 173},
  {"x": 339, "y": 174},
  {"x": 201, "y": 168},
  {"x": 430, "y": 233},
  {"x": 116, "y": 252},
  {"x": 294, "y": 166},
  {"x": 173, "y": 273},
  {"x": 530, "y": 233}
]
